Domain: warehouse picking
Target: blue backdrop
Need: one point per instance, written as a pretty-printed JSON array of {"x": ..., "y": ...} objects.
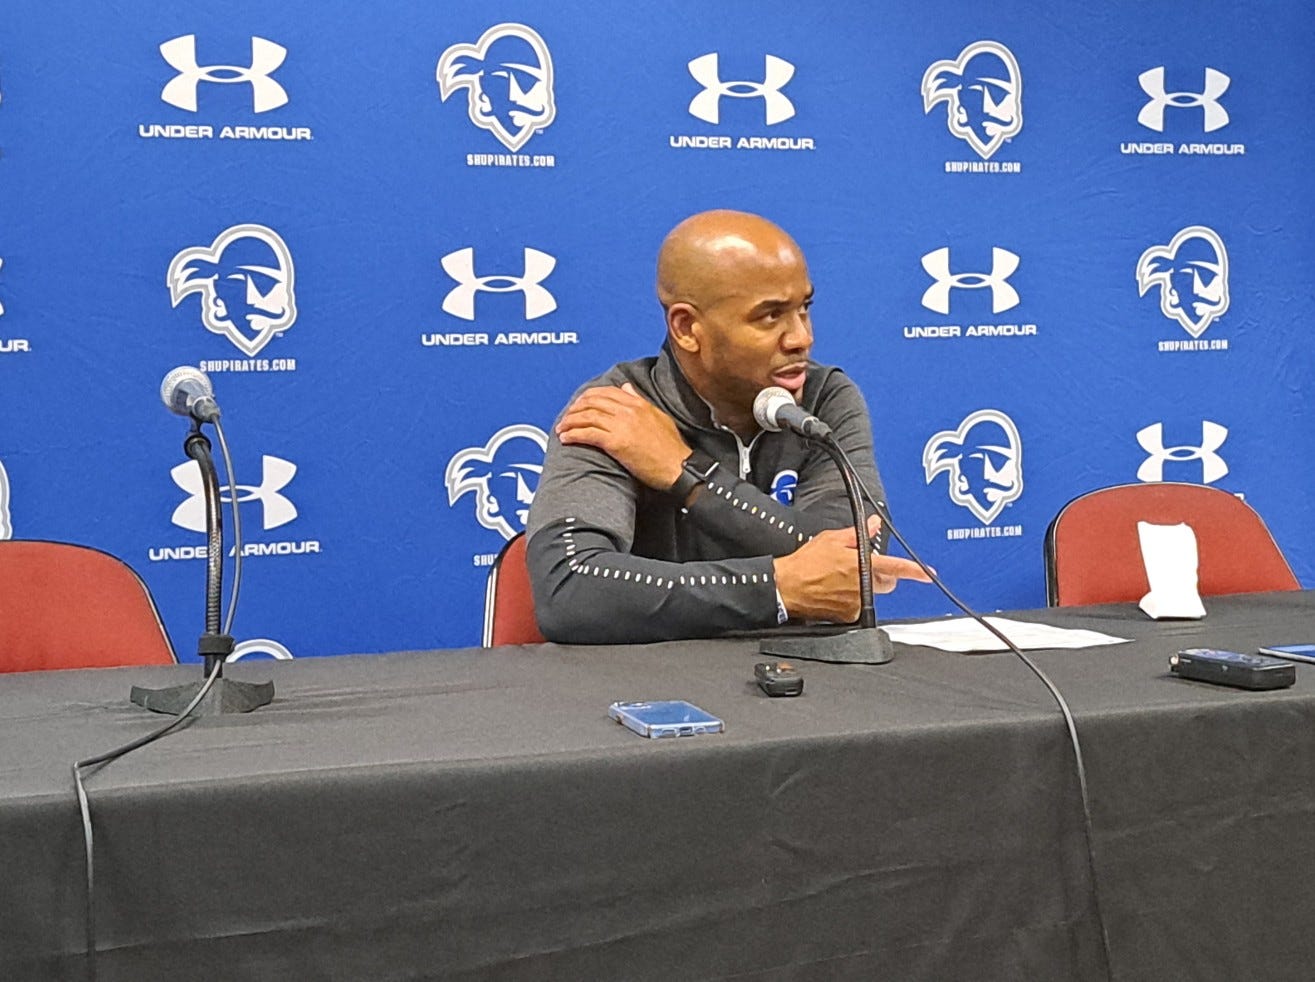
[{"x": 1058, "y": 247}]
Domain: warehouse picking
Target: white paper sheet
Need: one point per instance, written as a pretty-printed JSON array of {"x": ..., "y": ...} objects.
[{"x": 963, "y": 634}]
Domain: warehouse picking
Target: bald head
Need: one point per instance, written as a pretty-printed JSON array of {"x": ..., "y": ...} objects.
[
  {"x": 706, "y": 257},
  {"x": 736, "y": 292}
]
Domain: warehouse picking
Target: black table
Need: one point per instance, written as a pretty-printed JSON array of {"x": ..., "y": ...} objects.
[{"x": 475, "y": 815}]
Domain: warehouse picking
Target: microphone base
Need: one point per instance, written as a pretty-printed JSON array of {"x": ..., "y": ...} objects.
[
  {"x": 225, "y": 696},
  {"x": 864, "y": 646}
]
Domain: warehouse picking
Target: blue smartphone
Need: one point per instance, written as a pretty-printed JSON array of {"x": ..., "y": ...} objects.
[
  {"x": 1292, "y": 652},
  {"x": 670, "y": 717}
]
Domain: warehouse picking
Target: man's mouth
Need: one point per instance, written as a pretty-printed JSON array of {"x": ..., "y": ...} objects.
[{"x": 791, "y": 377}]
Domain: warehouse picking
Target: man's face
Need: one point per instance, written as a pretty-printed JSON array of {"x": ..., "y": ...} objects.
[{"x": 758, "y": 334}]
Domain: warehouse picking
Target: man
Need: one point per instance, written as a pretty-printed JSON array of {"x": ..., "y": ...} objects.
[{"x": 653, "y": 519}]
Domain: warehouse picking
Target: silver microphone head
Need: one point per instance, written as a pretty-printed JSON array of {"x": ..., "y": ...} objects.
[
  {"x": 183, "y": 387},
  {"x": 768, "y": 403}
]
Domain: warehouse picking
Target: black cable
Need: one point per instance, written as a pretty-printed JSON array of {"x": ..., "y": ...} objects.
[
  {"x": 1088, "y": 826},
  {"x": 85, "y": 806},
  {"x": 237, "y": 529}
]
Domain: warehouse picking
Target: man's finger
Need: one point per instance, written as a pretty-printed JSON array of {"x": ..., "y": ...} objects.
[
  {"x": 591, "y": 435},
  {"x": 897, "y": 567}
]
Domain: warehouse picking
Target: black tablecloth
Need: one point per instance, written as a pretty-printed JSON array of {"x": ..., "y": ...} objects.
[{"x": 474, "y": 814}]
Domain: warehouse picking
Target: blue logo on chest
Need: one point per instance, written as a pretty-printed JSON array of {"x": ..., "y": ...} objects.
[{"x": 783, "y": 486}]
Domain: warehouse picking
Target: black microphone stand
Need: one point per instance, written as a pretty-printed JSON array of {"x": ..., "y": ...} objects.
[
  {"x": 225, "y": 695},
  {"x": 865, "y": 643}
]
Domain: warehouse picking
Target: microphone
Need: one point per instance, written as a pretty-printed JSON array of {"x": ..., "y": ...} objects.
[
  {"x": 187, "y": 391},
  {"x": 774, "y": 409}
]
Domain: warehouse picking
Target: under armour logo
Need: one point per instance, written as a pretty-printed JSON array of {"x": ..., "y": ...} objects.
[
  {"x": 1152, "y": 114},
  {"x": 275, "y": 475},
  {"x": 1212, "y": 465},
  {"x": 6, "y": 529},
  {"x": 706, "y": 106},
  {"x": 937, "y": 296},
  {"x": 503, "y": 475},
  {"x": 266, "y": 56},
  {"x": 460, "y": 300}
]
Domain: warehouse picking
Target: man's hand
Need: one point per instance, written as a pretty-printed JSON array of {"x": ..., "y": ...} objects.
[
  {"x": 629, "y": 429},
  {"x": 819, "y": 580}
]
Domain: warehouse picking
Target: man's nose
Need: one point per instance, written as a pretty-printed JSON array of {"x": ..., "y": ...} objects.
[{"x": 798, "y": 333}]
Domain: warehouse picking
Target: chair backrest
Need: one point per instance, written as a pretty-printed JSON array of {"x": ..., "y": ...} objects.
[
  {"x": 1093, "y": 553},
  {"x": 508, "y": 600},
  {"x": 71, "y": 606}
]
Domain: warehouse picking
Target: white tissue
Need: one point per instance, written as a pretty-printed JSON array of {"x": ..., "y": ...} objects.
[{"x": 1169, "y": 553}]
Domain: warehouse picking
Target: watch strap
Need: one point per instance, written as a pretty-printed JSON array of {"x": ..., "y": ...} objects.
[{"x": 694, "y": 472}]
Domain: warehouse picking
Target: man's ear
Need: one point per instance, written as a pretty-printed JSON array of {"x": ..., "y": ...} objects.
[{"x": 683, "y": 327}]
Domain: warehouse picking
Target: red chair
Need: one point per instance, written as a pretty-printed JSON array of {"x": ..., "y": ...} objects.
[
  {"x": 70, "y": 606},
  {"x": 508, "y": 600},
  {"x": 1093, "y": 553}
]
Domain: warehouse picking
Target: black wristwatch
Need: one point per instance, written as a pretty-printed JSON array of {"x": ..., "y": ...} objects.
[{"x": 694, "y": 472}]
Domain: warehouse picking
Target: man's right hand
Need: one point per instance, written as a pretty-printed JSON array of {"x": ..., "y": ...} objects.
[
  {"x": 628, "y": 428},
  {"x": 819, "y": 580}
]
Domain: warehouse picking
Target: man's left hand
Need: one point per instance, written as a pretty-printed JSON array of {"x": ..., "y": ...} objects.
[{"x": 629, "y": 429}]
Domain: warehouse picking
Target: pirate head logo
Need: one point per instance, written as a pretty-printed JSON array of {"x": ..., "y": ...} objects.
[
  {"x": 1192, "y": 274},
  {"x": 983, "y": 459},
  {"x": 983, "y": 94},
  {"x": 503, "y": 475},
  {"x": 508, "y": 78},
  {"x": 245, "y": 279}
]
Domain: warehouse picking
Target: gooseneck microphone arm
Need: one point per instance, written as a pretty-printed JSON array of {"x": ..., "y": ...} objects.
[
  {"x": 867, "y": 611},
  {"x": 213, "y": 642}
]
